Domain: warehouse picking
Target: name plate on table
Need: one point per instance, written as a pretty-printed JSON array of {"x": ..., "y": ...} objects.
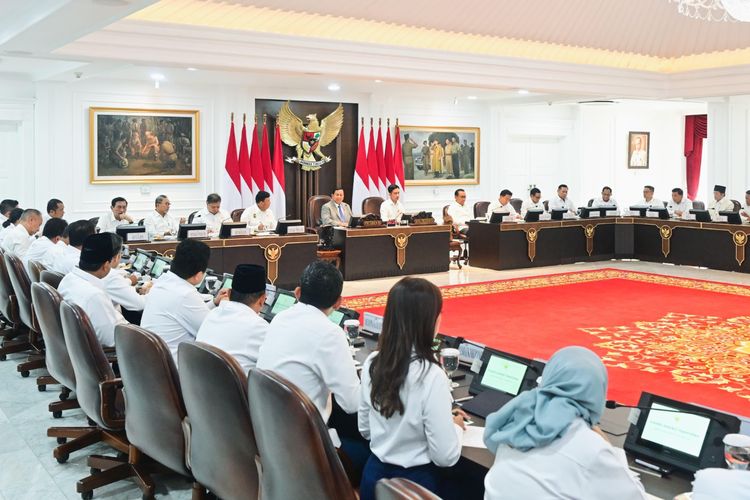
[
  {"x": 545, "y": 216},
  {"x": 295, "y": 230},
  {"x": 426, "y": 221},
  {"x": 612, "y": 213},
  {"x": 139, "y": 236},
  {"x": 721, "y": 218},
  {"x": 197, "y": 233},
  {"x": 240, "y": 231},
  {"x": 568, "y": 215},
  {"x": 594, "y": 214},
  {"x": 373, "y": 323},
  {"x": 635, "y": 213},
  {"x": 652, "y": 214},
  {"x": 687, "y": 216}
]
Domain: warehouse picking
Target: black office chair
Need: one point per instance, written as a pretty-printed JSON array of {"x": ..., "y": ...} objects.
[{"x": 191, "y": 217}]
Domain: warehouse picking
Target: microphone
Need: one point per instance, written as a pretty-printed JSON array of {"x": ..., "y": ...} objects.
[{"x": 612, "y": 404}]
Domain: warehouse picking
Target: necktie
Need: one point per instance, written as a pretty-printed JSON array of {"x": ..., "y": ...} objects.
[{"x": 341, "y": 213}]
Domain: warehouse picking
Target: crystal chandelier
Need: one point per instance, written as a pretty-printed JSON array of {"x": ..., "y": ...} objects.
[{"x": 715, "y": 10}]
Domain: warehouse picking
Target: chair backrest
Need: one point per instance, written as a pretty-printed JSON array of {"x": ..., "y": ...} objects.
[
  {"x": 191, "y": 217},
  {"x": 371, "y": 205},
  {"x": 400, "y": 488},
  {"x": 314, "y": 207},
  {"x": 480, "y": 208},
  {"x": 591, "y": 202},
  {"x": 19, "y": 278},
  {"x": 516, "y": 203},
  {"x": 47, "y": 310},
  {"x": 546, "y": 205},
  {"x": 8, "y": 301},
  {"x": 445, "y": 210},
  {"x": 699, "y": 205},
  {"x": 737, "y": 205},
  {"x": 52, "y": 278},
  {"x": 236, "y": 214},
  {"x": 140, "y": 222},
  {"x": 35, "y": 271},
  {"x": 298, "y": 457},
  {"x": 665, "y": 204},
  {"x": 153, "y": 399},
  {"x": 222, "y": 457},
  {"x": 90, "y": 365}
]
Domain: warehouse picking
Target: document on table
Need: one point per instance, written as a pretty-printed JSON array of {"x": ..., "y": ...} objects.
[{"x": 473, "y": 437}]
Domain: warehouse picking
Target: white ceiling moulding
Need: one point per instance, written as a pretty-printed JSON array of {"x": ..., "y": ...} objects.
[{"x": 715, "y": 10}]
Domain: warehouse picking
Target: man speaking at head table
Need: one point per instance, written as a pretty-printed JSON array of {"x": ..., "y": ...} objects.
[
  {"x": 392, "y": 209},
  {"x": 533, "y": 203},
  {"x": 116, "y": 216},
  {"x": 502, "y": 205},
  {"x": 159, "y": 222},
  {"x": 260, "y": 217},
  {"x": 561, "y": 201},
  {"x": 212, "y": 216},
  {"x": 336, "y": 212},
  {"x": 720, "y": 202},
  {"x": 649, "y": 200},
  {"x": 679, "y": 206}
]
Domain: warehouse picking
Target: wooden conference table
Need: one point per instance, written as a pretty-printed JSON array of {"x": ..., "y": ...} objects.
[
  {"x": 392, "y": 251},
  {"x": 531, "y": 244},
  {"x": 284, "y": 257}
]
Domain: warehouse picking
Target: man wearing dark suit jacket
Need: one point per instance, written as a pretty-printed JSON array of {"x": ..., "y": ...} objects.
[{"x": 336, "y": 212}]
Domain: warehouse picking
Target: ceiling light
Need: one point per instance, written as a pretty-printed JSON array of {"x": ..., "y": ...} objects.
[
  {"x": 378, "y": 81},
  {"x": 705, "y": 10},
  {"x": 472, "y": 97},
  {"x": 192, "y": 69},
  {"x": 333, "y": 87},
  {"x": 523, "y": 91}
]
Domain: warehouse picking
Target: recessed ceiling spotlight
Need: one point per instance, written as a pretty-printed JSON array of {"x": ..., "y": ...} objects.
[
  {"x": 191, "y": 69},
  {"x": 378, "y": 81},
  {"x": 523, "y": 91},
  {"x": 472, "y": 97},
  {"x": 333, "y": 87}
]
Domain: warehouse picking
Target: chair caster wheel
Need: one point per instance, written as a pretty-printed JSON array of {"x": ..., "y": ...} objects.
[
  {"x": 87, "y": 495},
  {"x": 62, "y": 440},
  {"x": 64, "y": 396},
  {"x": 57, "y": 414},
  {"x": 25, "y": 374},
  {"x": 3, "y": 357},
  {"x": 62, "y": 458},
  {"x": 41, "y": 388},
  {"x": 94, "y": 470}
]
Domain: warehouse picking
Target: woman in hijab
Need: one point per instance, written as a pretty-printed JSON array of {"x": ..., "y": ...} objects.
[{"x": 547, "y": 442}]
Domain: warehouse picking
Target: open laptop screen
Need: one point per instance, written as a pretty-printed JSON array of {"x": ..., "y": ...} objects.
[{"x": 504, "y": 375}]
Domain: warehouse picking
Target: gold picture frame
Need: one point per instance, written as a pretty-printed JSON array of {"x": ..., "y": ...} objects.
[
  {"x": 139, "y": 146},
  {"x": 639, "y": 150},
  {"x": 457, "y": 169}
]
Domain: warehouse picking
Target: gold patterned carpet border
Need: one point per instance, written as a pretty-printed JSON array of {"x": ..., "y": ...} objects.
[{"x": 552, "y": 280}]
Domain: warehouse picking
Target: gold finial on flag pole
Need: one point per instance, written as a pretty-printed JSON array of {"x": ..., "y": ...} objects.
[
  {"x": 244, "y": 118},
  {"x": 371, "y": 120},
  {"x": 264, "y": 118}
]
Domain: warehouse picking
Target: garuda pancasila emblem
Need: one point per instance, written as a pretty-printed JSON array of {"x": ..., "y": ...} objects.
[{"x": 309, "y": 139}]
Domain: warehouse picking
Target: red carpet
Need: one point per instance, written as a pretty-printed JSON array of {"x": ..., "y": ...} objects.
[{"x": 680, "y": 338}]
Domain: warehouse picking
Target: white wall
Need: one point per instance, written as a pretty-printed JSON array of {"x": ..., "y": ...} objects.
[{"x": 729, "y": 151}]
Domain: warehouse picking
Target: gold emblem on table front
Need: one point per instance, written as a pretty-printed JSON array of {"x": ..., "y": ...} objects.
[
  {"x": 740, "y": 241},
  {"x": 531, "y": 236},
  {"x": 666, "y": 235},
  {"x": 401, "y": 240},
  {"x": 589, "y": 231},
  {"x": 272, "y": 253}
]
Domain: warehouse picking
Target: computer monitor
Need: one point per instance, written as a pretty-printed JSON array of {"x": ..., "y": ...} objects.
[
  {"x": 270, "y": 293},
  {"x": 640, "y": 209},
  {"x": 557, "y": 213},
  {"x": 209, "y": 282},
  {"x": 233, "y": 229},
  {"x": 354, "y": 221},
  {"x": 678, "y": 435},
  {"x": 342, "y": 314},
  {"x": 663, "y": 213},
  {"x": 532, "y": 215},
  {"x": 160, "y": 265},
  {"x": 226, "y": 281},
  {"x": 732, "y": 217},
  {"x": 284, "y": 300},
  {"x": 701, "y": 215},
  {"x": 283, "y": 226},
  {"x": 196, "y": 231},
  {"x": 131, "y": 232},
  {"x": 506, "y": 373},
  {"x": 497, "y": 217},
  {"x": 140, "y": 262}
]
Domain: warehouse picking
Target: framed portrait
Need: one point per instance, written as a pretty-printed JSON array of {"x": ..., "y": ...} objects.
[
  {"x": 129, "y": 146},
  {"x": 440, "y": 155},
  {"x": 638, "y": 148}
]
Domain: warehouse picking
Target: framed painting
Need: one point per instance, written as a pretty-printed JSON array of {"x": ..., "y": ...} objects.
[
  {"x": 440, "y": 155},
  {"x": 638, "y": 149},
  {"x": 136, "y": 146}
]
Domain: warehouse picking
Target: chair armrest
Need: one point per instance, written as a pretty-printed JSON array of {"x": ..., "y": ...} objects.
[{"x": 113, "y": 408}]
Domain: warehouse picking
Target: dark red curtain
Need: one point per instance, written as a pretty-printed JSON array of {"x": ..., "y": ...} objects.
[{"x": 696, "y": 129}]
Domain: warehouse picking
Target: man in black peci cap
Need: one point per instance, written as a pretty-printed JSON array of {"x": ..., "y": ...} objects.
[
  {"x": 235, "y": 326},
  {"x": 83, "y": 287},
  {"x": 720, "y": 202}
]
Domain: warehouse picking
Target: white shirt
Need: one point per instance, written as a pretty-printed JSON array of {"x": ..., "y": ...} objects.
[
  {"x": 579, "y": 465},
  {"x": 558, "y": 203},
  {"x": 600, "y": 203},
  {"x": 4, "y": 232},
  {"x": 87, "y": 291},
  {"x": 2, "y": 219},
  {"x": 156, "y": 223},
  {"x": 391, "y": 211},
  {"x": 746, "y": 217},
  {"x": 714, "y": 483},
  {"x": 37, "y": 251},
  {"x": 654, "y": 203},
  {"x": 66, "y": 260},
  {"x": 108, "y": 224},
  {"x": 212, "y": 221},
  {"x": 307, "y": 349},
  {"x": 254, "y": 216},
  {"x": 497, "y": 207},
  {"x": 530, "y": 205},
  {"x": 425, "y": 432},
  {"x": 685, "y": 206},
  {"x": 174, "y": 311},
  {"x": 723, "y": 205},
  {"x": 235, "y": 329},
  {"x": 17, "y": 240},
  {"x": 638, "y": 158},
  {"x": 460, "y": 213},
  {"x": 122, "y": 292}
]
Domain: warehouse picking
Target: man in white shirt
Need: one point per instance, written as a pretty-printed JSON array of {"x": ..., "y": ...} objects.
[
  {"x": 745, "y": 211},
  {"x": 120, "y": 287},
  {"x": 649, "y": 200},
  {"x": 51, "y": 234},
  {"x": 5, "y": 207},
  {"x": 679, "y": 206},
  {"x": 336, "y": 212},
  {"x": 459, "y": 212},
  {"x": 19, "y": 239},
  {"x": 605, "y": 200},
  {"x": 533, "y": 203},
  {"x": 212, "y": 216},
  {"x": 159, "y": 223},
  {"x": 83, "y": 286},
  {"x": 392, "y": 209},
  {"x": 503, "y": 206},
  {"x": 720, "y": 202},
  {"x": 235, "y": 326},
  {"x": 307, "y": 349},
  {"x": 116, "y": 216},
  {"x": 55, "y": 210},
  {"x": 561, "y": 201},
  {"x": 174, "y": 309},
  {"x": 260, "y": 217},
  {"x": 65, "y": 259}
]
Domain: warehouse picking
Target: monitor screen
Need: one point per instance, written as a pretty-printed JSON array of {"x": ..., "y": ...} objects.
[
  {"x": 158, "y": 268},
  {"x": 140, "y": 261},
  {"x": 504, "y": 375},
  {"x": 336, "y": 317},
  {"x": 270, "y": 294},
  {"x": 679, "y": 431},
  {"x": 283, "y": 302},
  {"x": 227, "y": 283}
]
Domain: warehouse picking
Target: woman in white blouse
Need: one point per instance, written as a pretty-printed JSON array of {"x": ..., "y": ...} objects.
[
  {"x": 405, "y": 408},
  {"x": 547, "y": 441}
]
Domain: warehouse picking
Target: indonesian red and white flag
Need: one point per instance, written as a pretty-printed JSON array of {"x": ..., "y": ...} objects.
[
  {"x": 390, "y": 173},
  {"x": 230, "y": 193},
  {"x": 398, "y": 161},
  {"x": 278, "y": 196},
  {"x": 372, "y": 165},
  {"x": 361, "y": 189},
  {"x": 246, "y": 174},
  {"x": 265, "y": 160},
  {"x": 255, "y": 166},
  {"x": 381, "y": 165}
]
